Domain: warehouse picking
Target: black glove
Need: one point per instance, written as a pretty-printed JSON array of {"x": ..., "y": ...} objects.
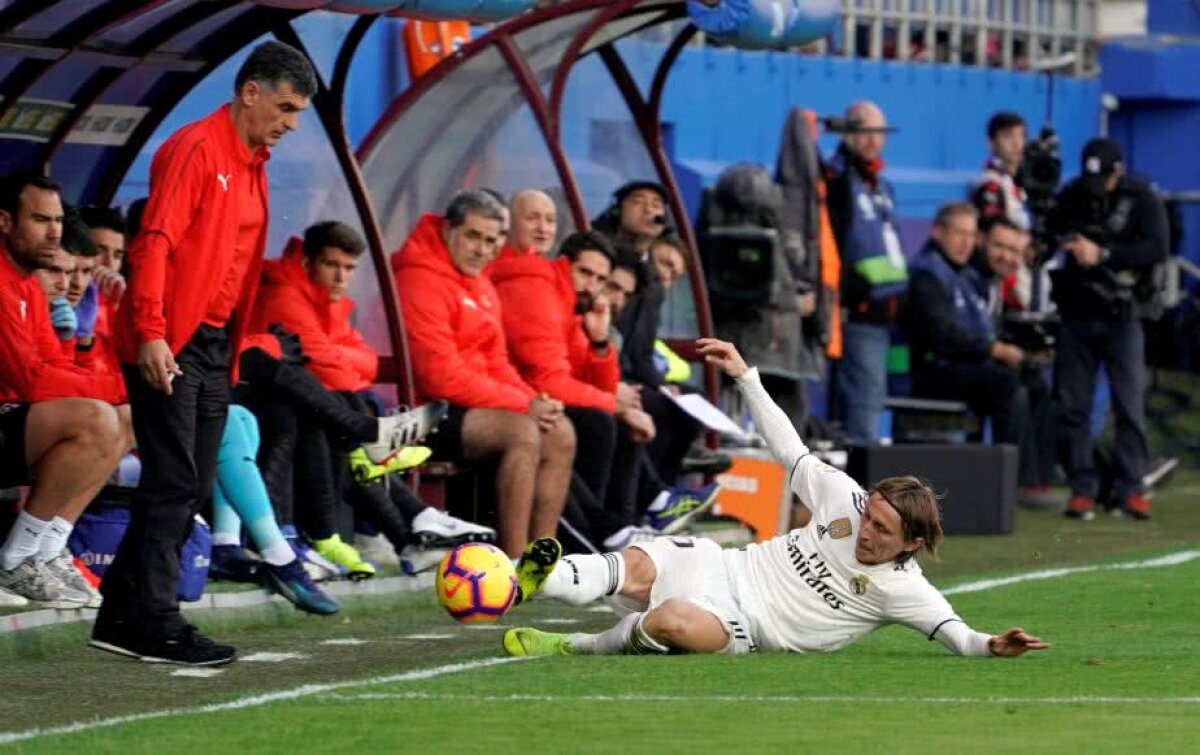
[{"x": 290, "y": 348}]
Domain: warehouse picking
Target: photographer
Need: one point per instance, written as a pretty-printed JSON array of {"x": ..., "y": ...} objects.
[
  {"x": 956, "y": 354},
  {"x": 1113, "y": 231}
]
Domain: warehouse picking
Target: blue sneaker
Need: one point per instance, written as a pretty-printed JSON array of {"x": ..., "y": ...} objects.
[
  {"x": 294, "y": 584},
  {"x": 231, "y": 563},
  {"x": 681, "y": 507}
]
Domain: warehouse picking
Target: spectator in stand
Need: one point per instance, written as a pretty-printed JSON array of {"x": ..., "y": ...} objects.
[
  {"x": 59, "y": 429},
  {"x": 453, "y": 319},
  {"x": 192, "y": 272},
  {"x": 862, "y": 208},
  {"x": 956, "y": 354},
  {"x": 534, "y": 222},
  {"x": 998, "y": 194},
  {"x": 306, "y": 293}
]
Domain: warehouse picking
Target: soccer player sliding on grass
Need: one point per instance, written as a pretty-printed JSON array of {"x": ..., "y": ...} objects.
[{"x": 818, "y": 588}]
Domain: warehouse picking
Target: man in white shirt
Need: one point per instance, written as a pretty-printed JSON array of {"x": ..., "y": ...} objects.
[{"x": 818, "y": 588}]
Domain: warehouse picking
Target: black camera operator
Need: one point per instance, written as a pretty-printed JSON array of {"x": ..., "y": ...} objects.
[{"x": 1112, "y": 231}]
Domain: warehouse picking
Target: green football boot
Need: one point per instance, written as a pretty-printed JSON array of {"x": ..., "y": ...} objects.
[
  {"x": 528, "y": 642},
  {"x": 538, "y": 560}
]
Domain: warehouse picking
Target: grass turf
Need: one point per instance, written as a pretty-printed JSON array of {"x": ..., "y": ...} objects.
[{"x": 1116, "y": 634}]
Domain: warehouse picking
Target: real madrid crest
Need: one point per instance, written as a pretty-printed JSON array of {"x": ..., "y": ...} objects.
[{"x": 859, "y": 584}]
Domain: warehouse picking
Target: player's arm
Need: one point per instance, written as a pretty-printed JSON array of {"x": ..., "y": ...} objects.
[
  {"x": 919, "y": 605},
  {"x": 817, "y": 483},
  {"x": 771, "y": 421},
  {"x": 962, "y": 640}
]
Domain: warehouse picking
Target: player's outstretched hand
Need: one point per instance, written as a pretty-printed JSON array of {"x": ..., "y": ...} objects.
[
  {"x": 1015, "y": 642},
  {"x": 724, "y": 355}
]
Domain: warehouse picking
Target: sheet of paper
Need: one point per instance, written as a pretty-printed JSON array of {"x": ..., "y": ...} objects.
[{"x": 706, "y": 414}]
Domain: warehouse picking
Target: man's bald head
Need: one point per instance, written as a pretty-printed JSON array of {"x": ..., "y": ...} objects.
[
  {"x": 534, "y": 221},
  {"x": 868, "y": 142}
]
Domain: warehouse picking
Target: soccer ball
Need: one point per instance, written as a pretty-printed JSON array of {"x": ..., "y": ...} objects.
[{"x": 476, "y": 583}]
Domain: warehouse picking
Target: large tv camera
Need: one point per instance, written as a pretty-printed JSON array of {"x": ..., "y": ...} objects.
[{"x": 1040, "y": 176}]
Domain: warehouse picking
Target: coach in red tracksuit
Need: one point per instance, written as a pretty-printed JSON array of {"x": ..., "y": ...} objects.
[
  {"x": 194, "y": 271},
  {"x": 456, "y": 345}
]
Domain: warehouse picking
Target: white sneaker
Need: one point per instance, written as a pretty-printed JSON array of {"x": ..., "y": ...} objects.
[
  {"x": 415, "y": 559},
  {"x": 401, "y": 429},
  {"x": 34, "y": 582},
  {"x": 435, "y": 528},
  {"x": 628, "y": 535},
  {"x": 11, "y": 599},
  {"x": 64, "y": 569},
  {"x": 376, "y": 548}
]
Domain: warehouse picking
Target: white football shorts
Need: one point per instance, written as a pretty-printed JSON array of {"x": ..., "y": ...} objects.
[{"x": 693, "y": 569}]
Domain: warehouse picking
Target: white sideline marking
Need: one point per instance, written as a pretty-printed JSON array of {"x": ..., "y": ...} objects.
[
  {"x": 430, "y": 636},
  {"x": 345, "y": 641},
  {"x": 272, "y": 657},
  {"x": 1172, "y": 559},
  {"x": 1073, "y": 700},
  {"x": 307, "y": 690},
  {"x": 197, "y": 673},
  {"x": 559, "y": 621}
]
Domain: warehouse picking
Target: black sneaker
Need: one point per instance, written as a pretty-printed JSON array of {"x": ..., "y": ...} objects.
[{"x": 184, "y": 647}]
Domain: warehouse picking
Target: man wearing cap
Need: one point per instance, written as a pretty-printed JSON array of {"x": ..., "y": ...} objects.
[
  {"x": 1112, "y": 229},
  {"x": 874, "y": 274}
]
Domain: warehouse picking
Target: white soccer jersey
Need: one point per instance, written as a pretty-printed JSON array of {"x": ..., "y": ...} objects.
[{"x": 805, "y": 591}]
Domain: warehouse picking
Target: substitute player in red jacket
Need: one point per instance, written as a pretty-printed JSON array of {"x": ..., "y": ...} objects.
[
  {"x": 557, "y": 322},
  {"x": 59, "y": 430},
  {"x": 194, "y": 270},
  {"x": 456, "y": 342}
]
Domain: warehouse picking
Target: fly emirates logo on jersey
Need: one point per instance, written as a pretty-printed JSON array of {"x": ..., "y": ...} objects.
[{"x": 813, "y": 570}]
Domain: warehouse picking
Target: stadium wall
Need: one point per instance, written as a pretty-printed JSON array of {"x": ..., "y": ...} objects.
[{"x": 721, "y": 106}]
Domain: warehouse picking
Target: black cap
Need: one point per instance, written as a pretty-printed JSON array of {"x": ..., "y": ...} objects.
[
  {"x": 620, "y": 194},
  {"x": 1101, "y": 158}
]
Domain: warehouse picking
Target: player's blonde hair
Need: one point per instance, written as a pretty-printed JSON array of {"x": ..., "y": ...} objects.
[{"x": 917, "y": 505}]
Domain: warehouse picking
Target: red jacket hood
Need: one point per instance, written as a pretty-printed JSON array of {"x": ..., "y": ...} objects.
[
  {"x": 453, "y": 321},
  {"x": 340, "y": 357},
  {"x": 288, "y": 270},
  {"x": 514, "y": 263},
  {"x": 426, "y": 249}
]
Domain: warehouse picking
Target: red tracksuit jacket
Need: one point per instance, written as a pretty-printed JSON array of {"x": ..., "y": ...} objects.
[
  {"x": 454, "y": 329},
  {"x": 33, "y": 367},
  {"x": 546, "y": 337},
  {"x": 189, "y": 231},
  {"x": 341, "y": 358}
]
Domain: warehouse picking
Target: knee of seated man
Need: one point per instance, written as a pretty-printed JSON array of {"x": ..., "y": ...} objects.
[
  {"x": 561, "y": 438},
  {"x": 518, "y": 432},
  {"x": 101, "y": 423}
]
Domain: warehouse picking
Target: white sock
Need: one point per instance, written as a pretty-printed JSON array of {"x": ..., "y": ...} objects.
[
  {"x": 278, "y": 554},
  {"x": 227, "y": 538},
  {"x": 581, "y": 579},
  {"x": 627, "y": 636},
  {"x": 23, "y": 540},
  {"x": 54, "y": 539}
]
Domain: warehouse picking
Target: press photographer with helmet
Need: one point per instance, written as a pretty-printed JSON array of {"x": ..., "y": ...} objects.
[{"x": 1112, "y": 232}]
